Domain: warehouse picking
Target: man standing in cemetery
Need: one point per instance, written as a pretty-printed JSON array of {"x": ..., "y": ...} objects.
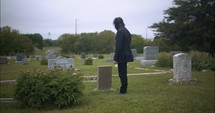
[{"x": 123, "y": 53}]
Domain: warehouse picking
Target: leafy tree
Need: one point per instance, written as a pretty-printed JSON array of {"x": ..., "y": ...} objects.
[
  {"x": 23, "y": 44},
  {"x": 7, "y": 36},
  {"x": 189, "y": 25},
  {"x": 83, "y": 44},
  {"x": 12, "y": 42},
  {"x": 47, "y": 42},
  {"x": 37, "y": 40},
  {"x": 87, "y": 42},
  {"x": 137, "y": 43},
  {"x": 67, "y": 42},
  {"x": 106, "y": 41}
]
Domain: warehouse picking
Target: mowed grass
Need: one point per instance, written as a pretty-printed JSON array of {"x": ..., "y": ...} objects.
[
  {"x": 11, "y": 71},
  {"x": 146, "y": 94}
]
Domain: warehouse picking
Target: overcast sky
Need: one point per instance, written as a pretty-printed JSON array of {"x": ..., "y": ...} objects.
[{"x": 52, "y": 18}]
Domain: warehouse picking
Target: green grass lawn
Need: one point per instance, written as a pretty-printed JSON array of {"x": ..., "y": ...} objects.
[
  {"x": 11, "y": 71},
  {"x": 146, "y": 94}
]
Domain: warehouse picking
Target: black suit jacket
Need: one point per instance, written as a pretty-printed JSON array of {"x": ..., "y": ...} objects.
[{"x": 123, "y": 52}]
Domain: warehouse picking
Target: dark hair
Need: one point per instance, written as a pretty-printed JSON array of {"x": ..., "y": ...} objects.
[{"x": 118, "y": 21}]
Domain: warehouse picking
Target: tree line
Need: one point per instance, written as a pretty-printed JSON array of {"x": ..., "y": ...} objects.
[
  {"x": 187, "y": 25},
  {"x": 103, "y": 42},
  {"x": 13, "y": 42}
]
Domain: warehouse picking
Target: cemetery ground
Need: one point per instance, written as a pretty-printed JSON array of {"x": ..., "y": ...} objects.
[{"x": 147, "y": 93}]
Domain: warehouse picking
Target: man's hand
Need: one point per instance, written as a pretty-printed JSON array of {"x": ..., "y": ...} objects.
[{"x": 115, "y": 62}]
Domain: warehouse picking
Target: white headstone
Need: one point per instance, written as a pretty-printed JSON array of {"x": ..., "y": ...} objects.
[
  {"x": 150, "y": 52},
  {"x": 182, "y": 66},
  {"x": 38, "y": 57},
  {"x": 21, "y": 58},
  {"x": 51, "y": 54},
  {"x": 83, "y": 55},
  {"x": 64, "y": 63},
  {"x": 134, "y": 52},
  {"x": 3, "y": 60},
  {"x": 182, "y": 69},
  {"x": 110, "y": 59}
]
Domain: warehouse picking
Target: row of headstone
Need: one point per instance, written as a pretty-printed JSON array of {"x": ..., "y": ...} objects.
[
  {"x": 84, "y": 56},
  {"x": 20, "y": 58},
  {"x": 134, "y": 53},
  {"x": 182, "y": 72},
  {"x": 182, "y": 67}
]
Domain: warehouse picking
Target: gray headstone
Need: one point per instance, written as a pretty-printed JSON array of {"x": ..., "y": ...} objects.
[
  {"x": 83, "y": 55},
  {"x": 182, "y": 66},
  {"x": 134, "y": 52},
  {"x": 51, "y": 54},
  {"x": 9, "y": 57},
  {"x": 175, "y": 52},
  {"x": 20, "y": 56},
  {"x": 150, "y": 52},
  {"x": 24, "y": 61},
  {"x": 3, "y": 60},
  {"x": 139, "y": 58},
  {"x": 111, "y": 58},
  {"x": 104, "y": 81},
  {"x": 148, "y": 62},
  {"x": 112, "y": 55},
  {"x": 64, "y": 63},
  {"x": 95, "y": 55},
  {"x": 38, "y": 57}
]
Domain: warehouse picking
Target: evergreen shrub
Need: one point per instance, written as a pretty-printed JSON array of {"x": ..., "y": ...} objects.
[
  {"x": 200, "y": 60},
  {"x": 164, "y": 60},
  {"x": 88, "y": 61},
  {"x": 38, "y": 89},
  {"x": 44, "y": 61},
  {"x": 101, "y": 56}
]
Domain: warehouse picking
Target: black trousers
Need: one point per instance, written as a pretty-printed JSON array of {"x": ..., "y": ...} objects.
[{"x": 122, "y": 70}]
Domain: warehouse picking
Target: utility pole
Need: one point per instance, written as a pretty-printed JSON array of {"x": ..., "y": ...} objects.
[
  {"x": 146, "y": 33},
  {"x": 76, "y": 26},
  {"x": 49, "y": 35}
]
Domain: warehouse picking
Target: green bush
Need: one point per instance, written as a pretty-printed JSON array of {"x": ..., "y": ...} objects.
[
  {"x": 202, "y": 60},
  {"x": 56, "y": 87},
  {"x": 88, "y": 61},
  {"x": 165, "y": 60},
  {"x": 44, "y": 61},
  {"x": 101, "y": 56}
]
